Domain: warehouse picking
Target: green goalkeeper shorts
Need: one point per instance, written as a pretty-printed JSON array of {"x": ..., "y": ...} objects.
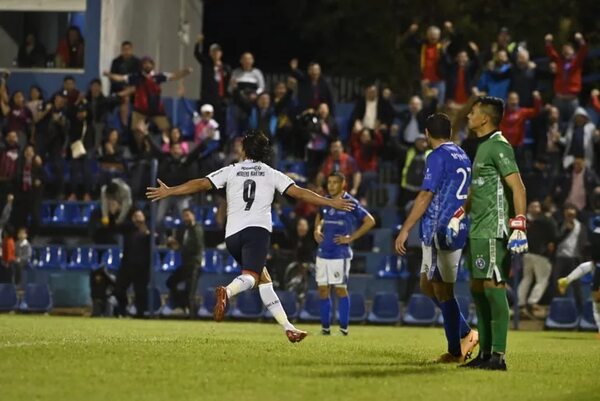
[{"x": 488, "y": 258}]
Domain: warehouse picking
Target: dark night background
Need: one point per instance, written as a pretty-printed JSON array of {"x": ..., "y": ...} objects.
[{"x": 357, "y": 38}]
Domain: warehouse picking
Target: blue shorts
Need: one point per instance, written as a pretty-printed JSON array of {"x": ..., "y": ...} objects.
[
  {"x": 458, "y": 243},
  {"x": 250, "y": 248}
]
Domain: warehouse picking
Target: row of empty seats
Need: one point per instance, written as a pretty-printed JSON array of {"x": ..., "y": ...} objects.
[
  {"x": 563, "y": 315},
  {"x": 37, "y": 298}
]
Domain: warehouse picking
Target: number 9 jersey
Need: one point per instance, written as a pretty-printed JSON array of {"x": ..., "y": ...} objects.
[
  {"x": 250, "y": 188},
  {"x": 448, "y": 177}
]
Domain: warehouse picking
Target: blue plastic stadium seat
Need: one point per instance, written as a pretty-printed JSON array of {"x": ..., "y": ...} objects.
[
  {"x": 171, "y": 222},
  {"x": 358, "y": 310},
  {"x": 587, "y": 322},
  {"x": 420, "y": 311},
  {"x": 210, "y": 216},
  {"x": 464, "y": 304},
  {"x": 248, "y": 305},
  {"x": 205, "y": 311},
  {"x": 311, "y": 311},
  {"x": 83, "y": 258},
  {"x": 85, "y": 213},
  {"x": 385, "y": 308},
  {"x": 111, "y": 258},
  {"x": 37, "y": 298},
  {"x": 562, "y": 314},
  {"x": 231, "y": 266},
  {"x": 52, "y": 257},
  {"x": 213, "y": 261},
  {"x": 391, "y": 267},
  {"x": 276, "y": 221},
  {"x": 171, "y": 261},
  {"x": 46, "y": 213},
  {"x": 289, "y": 303},
  {"x": 8, "y": 297}
]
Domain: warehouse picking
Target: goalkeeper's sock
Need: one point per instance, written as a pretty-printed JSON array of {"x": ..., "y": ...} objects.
[
  {"x": 325, "y": 309},
  {"x": 580, "y": 271},
  {"x": 484, "y": 322},
  {"x": 239, "y": 284},
  {"x": 344, "y": 311},
  {"x": 451, "y": 314},
  {"x": 596, "y": 306},
  {"x": 500, "y": 317},
  {"x": 272, "y": 303},
  {"x": 465, "y": 328}
]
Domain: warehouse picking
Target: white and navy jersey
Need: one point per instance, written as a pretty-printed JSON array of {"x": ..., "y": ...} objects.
[{"x": 250, "y": 188}]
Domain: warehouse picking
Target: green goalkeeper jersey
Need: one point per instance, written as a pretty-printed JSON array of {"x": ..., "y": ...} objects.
[{"x": 491, "y": 198}]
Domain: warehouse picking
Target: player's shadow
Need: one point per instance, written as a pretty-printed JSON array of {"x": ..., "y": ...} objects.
[{"x": 376, "y": 371}]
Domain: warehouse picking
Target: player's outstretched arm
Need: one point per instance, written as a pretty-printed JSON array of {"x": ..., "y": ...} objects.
[
  {"x": 187, "y": 188},
  {"x": 418, "y": 210},
  {"x": 311, "y": 197}
]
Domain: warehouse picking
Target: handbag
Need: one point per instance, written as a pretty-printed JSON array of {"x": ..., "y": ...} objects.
[{"x": 77, "y": 147}]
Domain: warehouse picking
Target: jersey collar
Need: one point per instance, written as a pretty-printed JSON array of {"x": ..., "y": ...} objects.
[{"x": 488, "y": 136}]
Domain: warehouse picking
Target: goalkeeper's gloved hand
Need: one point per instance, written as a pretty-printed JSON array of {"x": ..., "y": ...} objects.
[
  {"x": 454, "y": 225},
  {"x": 517, "y": 242}
]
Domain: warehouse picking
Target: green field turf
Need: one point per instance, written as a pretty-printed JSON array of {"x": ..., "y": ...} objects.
[{"x": 61, "y": 358}]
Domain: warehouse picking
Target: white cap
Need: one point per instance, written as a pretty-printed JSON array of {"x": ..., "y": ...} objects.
[{"x": 207, "y": 108}]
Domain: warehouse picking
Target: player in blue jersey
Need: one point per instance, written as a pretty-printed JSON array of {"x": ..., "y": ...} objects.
[
  {"x": 334, "y": 232},
  {"x": 444, "y": 190}
]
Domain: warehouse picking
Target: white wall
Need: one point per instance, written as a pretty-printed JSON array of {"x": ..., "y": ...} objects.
[{"x": 152, "y": 26}]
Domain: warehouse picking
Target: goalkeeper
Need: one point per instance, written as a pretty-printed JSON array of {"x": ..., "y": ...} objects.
[{"x": 496, "y": 206}]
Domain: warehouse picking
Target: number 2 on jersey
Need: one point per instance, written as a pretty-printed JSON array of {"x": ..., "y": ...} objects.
[
  {"x": 465, "y": 175},
  {"x": 249, "y": 193}
]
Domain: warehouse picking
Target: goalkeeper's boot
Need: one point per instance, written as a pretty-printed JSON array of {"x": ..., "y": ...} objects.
[
  {"x": 475, "y": 363},
  {"x": 496, "y": 362}
]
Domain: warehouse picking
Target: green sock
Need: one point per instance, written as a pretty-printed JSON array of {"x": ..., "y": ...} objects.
[
  {"x": 500, "y": 317},
  {"x": 484, "y": 322}
]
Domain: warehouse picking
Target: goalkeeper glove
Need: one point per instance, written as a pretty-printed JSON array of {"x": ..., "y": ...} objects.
[
  {"x": 517, "y": 242},
  {"x": 454, "y": 225}
]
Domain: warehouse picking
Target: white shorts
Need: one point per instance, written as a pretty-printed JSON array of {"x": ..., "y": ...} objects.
[
  {"x": 440, "y": 265},
  {"x": 332, "y": 271}
]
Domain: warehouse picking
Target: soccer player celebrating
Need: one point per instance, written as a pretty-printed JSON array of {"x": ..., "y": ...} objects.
[
  {"x": 497, "y": 192},
  {"x": 334, "y": 232},
  {"x": 250, "y": 187},
  {"x": 444, "y": 190}
]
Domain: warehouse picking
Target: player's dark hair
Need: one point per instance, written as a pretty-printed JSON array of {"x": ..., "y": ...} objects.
[
  {"x": 112, "y": 189},
  {"x": 126, "y": 43},
  {"x": 337, "y": 174},
  {"x": 68, "y": 78},
  {"x": 493, "y": 107},
  {"x": 187, "y": 209},
  {"x": 257, "y": 146},
  {"x": 439, "y": 126}
]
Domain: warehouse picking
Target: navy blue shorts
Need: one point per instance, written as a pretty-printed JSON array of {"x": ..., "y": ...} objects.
[{"x": 250, "y": 247}]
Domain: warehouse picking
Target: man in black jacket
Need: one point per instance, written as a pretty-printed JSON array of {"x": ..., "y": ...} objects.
[
  {"x": 135, "y": 265},
  {"x": 125, "y": 64},
  {"x": 215, "y": 78},
  {"x": 412, "y": 120},
  {"x": 189, "y": 240},
  {"x": 372, "y": 111},
  {"x": 313, "y": 89}
]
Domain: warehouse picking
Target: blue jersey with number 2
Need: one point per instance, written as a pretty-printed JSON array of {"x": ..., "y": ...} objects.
[{"x": 448, "y": 176}]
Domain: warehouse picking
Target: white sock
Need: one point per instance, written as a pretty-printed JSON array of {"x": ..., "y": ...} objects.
[
  {"x": 580, "y": 271},
  {"x": 272, "y": 303},
  {"x": 240, "y": 284},
  {"x": 596, "y": 306}
]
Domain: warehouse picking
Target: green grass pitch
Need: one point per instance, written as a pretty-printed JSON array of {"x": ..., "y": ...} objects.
[{"x": 61, "y": 358}]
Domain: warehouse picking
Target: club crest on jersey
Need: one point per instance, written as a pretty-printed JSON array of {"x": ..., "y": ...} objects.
[
  {"x": 480, "y": 263},
  {"x": 336, "y": 274},
  {"x": 479, "y": 181}
]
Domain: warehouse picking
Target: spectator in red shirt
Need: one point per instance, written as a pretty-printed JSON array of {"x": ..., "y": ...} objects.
[
  {"x": 148, "y": 103},
  {"x": 461, "y": 76},
  {"x": 70, "y": 51},
  {"x": 567, "y": 80},
  {"x": 431, "y": 57},
  {"x": 70, "y": 91},
  {"x": 365, "y": 146},
  {"x": 9, "y": 155},
  {"x": 338, "y": 160},
  {"x": 515, "y": 117},
  {"x": 596, "y": 100}
]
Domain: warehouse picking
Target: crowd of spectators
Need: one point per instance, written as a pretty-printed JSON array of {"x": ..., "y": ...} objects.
[{"x": 48, "y": 137}]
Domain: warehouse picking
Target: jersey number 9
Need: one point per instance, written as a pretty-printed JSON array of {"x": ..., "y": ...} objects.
[{"x": 249, "y": 193}]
